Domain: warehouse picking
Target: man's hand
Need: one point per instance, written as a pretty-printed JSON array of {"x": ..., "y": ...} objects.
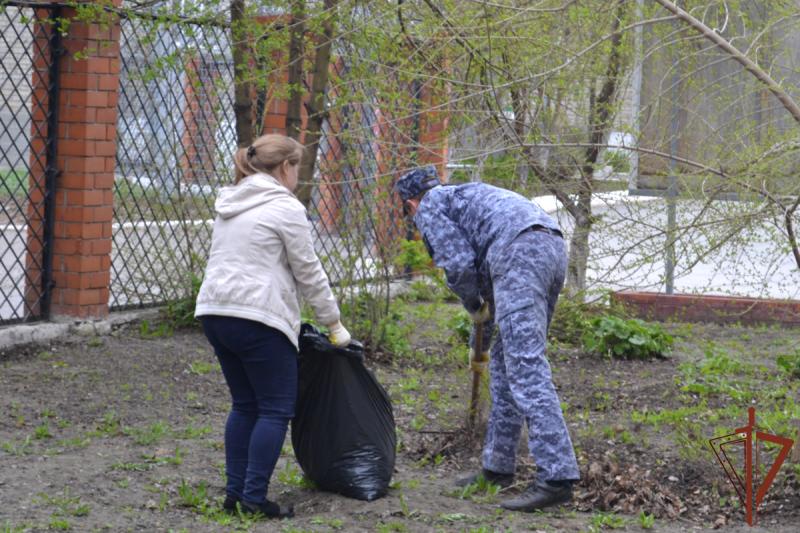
[
  {"x": 338, "y": 335},
  {"x": 483, "y": 314}
]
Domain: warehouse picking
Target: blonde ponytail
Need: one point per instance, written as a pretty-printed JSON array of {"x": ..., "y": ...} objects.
[{"x": 266, "y": 154}]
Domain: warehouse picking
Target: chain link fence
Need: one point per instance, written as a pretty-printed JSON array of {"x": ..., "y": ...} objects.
[
  {"x": 27, "y": 142},
  {"x": 176, "y": 137}
]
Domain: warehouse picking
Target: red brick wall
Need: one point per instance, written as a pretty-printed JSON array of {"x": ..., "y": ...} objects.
[
  {"x": 86, "y": 148},
  {"x": 716, "y": 309}
]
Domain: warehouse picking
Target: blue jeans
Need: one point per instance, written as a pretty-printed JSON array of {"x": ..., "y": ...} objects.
[{"x": 260, "y": 367}]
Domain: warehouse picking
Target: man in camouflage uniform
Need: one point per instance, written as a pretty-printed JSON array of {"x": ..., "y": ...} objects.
[{"x": 504, "y": 257}]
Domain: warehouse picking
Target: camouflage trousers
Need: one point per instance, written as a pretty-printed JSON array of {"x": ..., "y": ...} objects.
[{"x": 527, "y": 279}]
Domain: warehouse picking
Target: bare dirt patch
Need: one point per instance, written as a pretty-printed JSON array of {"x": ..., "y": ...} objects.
[{"x": 124, "y": 433}]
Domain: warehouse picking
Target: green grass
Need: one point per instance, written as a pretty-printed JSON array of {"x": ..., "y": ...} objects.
[
  {"x": 42, "y": 432},
  {"x": 293, "y": 476},
  {"x": 193, "y": 496},
  {"x": 8, "y": 527},
  {"x": 482, "y": 490},
  {"x": 145, "y": 436},
  {"x": 64, "y": 506},
  {"x": 131, "y": 467},
  {"x": 646, "y": 521},
  {"x": 175, "y": 459},
  {"x": 201, "y": 368},
  {"x": 606, "y": 521},
  {"x": 17, "y": 448},
  {"x": 193, "y": 432}
]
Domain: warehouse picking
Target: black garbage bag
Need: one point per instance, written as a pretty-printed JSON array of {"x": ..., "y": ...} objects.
[{"x": 343, "y": 432}]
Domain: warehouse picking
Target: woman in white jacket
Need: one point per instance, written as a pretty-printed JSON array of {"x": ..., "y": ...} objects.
[{"x": 262, "y": 260}]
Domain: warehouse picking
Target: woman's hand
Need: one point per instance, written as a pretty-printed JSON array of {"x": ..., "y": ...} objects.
[{"x": 338, "y": 335}]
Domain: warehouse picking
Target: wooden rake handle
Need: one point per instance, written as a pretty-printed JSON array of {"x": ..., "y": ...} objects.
[{"x": 478, "y": 365}]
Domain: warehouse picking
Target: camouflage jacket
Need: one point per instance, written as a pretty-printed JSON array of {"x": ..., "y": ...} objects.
[{"x": 465, "y": 227}]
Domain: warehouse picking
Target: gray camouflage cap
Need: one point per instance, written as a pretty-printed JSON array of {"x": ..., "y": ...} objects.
[{"x": 414, "y": 183}]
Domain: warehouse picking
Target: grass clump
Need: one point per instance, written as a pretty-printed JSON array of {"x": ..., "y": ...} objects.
[{"x": 790, "y": 363}]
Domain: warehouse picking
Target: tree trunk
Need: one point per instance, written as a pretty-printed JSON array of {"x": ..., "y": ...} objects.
[
  {"x": 296, "y": 59},
  {"x": 600, "y": 115},
  {"x": 316, "y": 104},
  {"x": 242, "y": 92},
  {"x": 579, "y": 244}
]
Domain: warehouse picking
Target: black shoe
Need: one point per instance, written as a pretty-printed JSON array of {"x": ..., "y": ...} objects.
[
  {"x": 229, "y": 505},
  {"x": 539, "y": 495},
  {"x": 268, "y": 509},
  {"x": 504, "y": 480}
]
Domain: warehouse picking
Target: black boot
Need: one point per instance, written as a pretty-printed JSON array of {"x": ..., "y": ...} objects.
[
  {"x": 229, "y": 505},
  {"x": 504, "y": 480},
  {"x": 539, "y": 495},
  {"x": 268, "y": 509}
]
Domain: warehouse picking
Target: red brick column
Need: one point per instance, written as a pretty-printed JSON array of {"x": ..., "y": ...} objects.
[
  {"x": 431, "y": 149},
  {"x": 86, "y": 149},
  {"x": 276, "y": 106},
  {"x": 199, "y": 137},
  {"x": 433, "y": 124},
  {"x": 392, "y": 160}
]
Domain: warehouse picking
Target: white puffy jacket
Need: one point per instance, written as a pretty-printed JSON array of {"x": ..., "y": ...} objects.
[{"x": 262, "y": 255}]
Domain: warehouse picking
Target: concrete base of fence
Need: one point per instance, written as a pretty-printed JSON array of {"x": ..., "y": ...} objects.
[
  {"x": 705, "y": 308},
  {"x": 43, "y": 332}
]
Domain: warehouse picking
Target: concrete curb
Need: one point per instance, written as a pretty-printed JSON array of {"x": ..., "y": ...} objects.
[{"x": 43, "y": 332}]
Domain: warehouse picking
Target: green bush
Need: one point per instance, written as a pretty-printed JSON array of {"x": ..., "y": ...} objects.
[
  {"x": 374, "y": 321},
  {"x": 413, "y": 256},
  {"x": 461, "y": 325},
  {"x": 570, "y": 319},
  {"x": 626, "y": 338},
  {"x": 180, "y": 313},
  {"x": 790, "y": 363}
]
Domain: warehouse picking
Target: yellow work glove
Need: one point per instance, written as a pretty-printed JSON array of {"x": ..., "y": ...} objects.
[
  {"x": 338, "y": 335},
  {"x": 483, "y": 314},
  {"x": 479, "y": 364}
]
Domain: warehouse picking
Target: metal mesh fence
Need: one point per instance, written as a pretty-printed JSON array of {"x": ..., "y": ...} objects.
[
  {"x": 176, "y": 137},
  {"x": 357, "y": 223},
  {"x": 27, "y": 81}
]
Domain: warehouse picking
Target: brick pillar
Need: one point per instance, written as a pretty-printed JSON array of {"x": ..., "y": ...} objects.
[
  {"x": 199, "y": 137},
  {"x": 330, "y": 193},
  {"x": 431, "y": 150},
  {"x": 275, "y": 105},
  {"x": 85, "y": 159},
  {"x": 433, "y": 122}
]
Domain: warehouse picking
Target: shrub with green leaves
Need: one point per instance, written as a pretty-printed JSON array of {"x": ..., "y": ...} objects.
[
  {"x": 570, "y": 319},
  {"x": 461, "y": 325},
  {"x": 412, "y": 256},
  {"x": 790, "y": 363},
  {"x": 180, "y": 313},
  {"x": 626, "y": 338}
]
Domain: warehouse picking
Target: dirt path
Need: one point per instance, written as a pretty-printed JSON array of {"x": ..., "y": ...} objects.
[{"x": 124, "y": 433}]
